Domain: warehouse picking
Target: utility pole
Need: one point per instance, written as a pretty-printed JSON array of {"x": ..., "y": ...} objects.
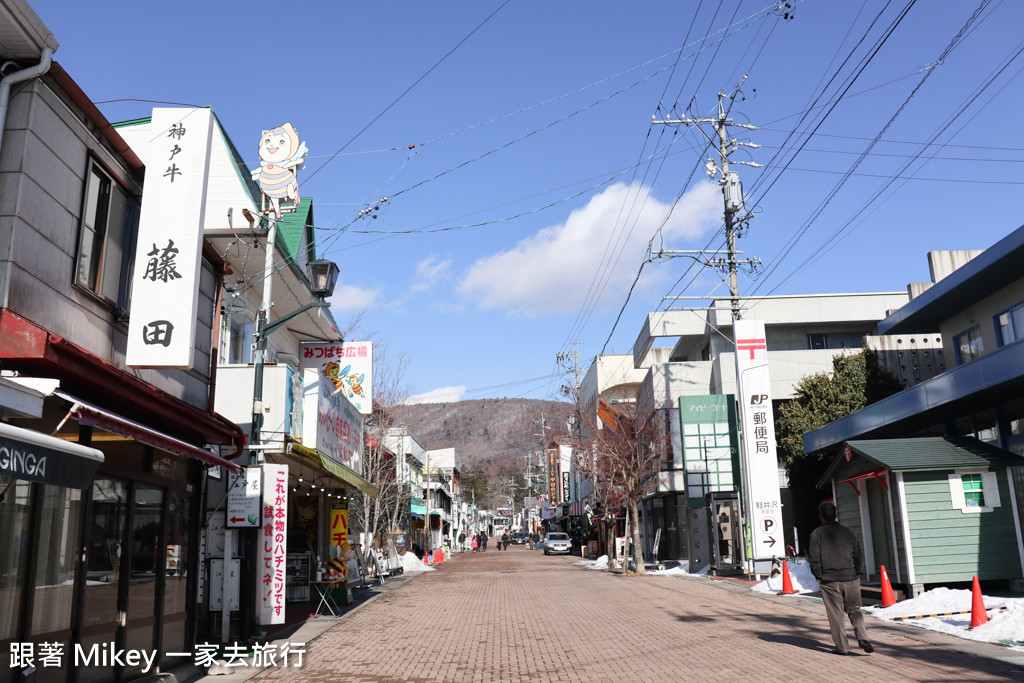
[
  {"x": 563, "y": 358},
  {"x": 732, "y": 194}
]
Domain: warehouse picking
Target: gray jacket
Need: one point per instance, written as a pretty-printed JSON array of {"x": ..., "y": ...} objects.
[{"x": 835, "y": 553}]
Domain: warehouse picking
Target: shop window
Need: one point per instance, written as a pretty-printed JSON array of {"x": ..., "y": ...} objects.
[
  {"x": 58, "y": 555},
  {"x": 1010, "y": 324},
  {"x": 974, "y": 491},
  {"x": 106, "y": 240},
  {"x": 968, "y": 345},
  {"x": 15, "y": 496}
]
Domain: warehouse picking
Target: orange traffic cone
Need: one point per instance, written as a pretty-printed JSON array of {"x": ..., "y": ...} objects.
[
  {"x": 888, "y": 597},
  {"x": 979, "y": 616},
  {"x": 787, "y": 583},
  {"x": 426, "y": 557}
]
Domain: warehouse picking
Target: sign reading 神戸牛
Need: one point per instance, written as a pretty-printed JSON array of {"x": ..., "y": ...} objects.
[{"x": 169, "y": 249}]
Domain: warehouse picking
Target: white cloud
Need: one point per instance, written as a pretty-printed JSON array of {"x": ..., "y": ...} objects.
[
  {"x": 440, "y": 395},
  {"x": 352, "y": 298},
  {"x": 552, "y": 271},
  {"x": 429, "y": 271}
]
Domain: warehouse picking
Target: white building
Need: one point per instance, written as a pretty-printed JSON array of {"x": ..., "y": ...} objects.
[{"x": 691, "y": 354}]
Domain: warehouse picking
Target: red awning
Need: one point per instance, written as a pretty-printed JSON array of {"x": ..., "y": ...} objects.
[
  {"x": 27, "y": 347},
  {"x": 88, "y": 414}
]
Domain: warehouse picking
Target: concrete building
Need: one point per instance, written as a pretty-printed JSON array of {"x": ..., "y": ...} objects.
[{"x": 689, "y": 354}]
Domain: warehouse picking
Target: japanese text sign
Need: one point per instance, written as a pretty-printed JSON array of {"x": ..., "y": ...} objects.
[
  {"x": 760, "y": 466},
  {"x": 273, "y": 544},
  {"x": 348, "y": 366},
  {"x": 168, "y": 253}
]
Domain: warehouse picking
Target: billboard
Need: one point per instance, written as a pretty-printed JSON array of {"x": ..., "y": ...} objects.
[
  {"x": 710, "y": 438},
  {"x": 347, "y": 365}
]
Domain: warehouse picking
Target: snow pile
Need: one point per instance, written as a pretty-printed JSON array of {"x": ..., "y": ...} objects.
[
  {"x": 599, "y": 563},
  {"x": 799, "y": 574},
  {"x": 411, "y": 563},
  {"x": 1004, "y": 626}
]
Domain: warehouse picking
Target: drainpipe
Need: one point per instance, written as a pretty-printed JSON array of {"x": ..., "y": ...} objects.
[{"x": 17, "y": 77}]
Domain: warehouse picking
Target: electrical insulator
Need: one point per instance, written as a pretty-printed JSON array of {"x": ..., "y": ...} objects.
[{"x": 732, "y": 190}]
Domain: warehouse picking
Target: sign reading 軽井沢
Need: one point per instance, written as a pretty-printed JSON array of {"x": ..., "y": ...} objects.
[
  {"x": 760, "y": 466},
  {"x": 168, "y": 253},
  {"x": 273, "y": 544},
  {"x": 348, "y": 366}
]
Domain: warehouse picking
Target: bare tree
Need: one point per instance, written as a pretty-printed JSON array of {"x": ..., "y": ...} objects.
[
  {"x": 623, "y": 459},
  {"x": 381, "y": 466}
]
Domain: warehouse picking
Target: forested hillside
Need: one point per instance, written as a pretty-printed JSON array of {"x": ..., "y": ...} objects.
[{"x": 490, "y": 434}]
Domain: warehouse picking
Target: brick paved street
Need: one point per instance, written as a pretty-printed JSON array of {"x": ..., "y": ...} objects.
[{"x": 521, "y": 616}]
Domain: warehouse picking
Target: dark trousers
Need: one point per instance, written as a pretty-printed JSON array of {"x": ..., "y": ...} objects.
[{"x": 842, "y": 599}]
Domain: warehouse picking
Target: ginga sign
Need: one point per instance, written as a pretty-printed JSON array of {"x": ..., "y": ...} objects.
[{"x": 31, "y": 456}]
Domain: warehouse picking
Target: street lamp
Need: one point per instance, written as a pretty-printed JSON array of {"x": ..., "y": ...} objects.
[{"x": 323, "y": 275}]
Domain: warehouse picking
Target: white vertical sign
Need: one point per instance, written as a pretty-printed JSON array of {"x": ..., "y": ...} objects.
[
  {"x": 168, "y": 255},
  {"x": 760, "y": 465},
  {"x": 273, "y": 544}
]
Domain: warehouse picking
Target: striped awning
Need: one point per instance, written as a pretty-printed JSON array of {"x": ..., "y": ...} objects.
[{"x": 576, "y": 509}]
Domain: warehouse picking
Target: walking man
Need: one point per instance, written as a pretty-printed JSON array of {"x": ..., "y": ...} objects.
[{"x": 837, "y": 561}]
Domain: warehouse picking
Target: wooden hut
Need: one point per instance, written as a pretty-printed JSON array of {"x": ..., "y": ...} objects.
[{"x": 931, "y": 510}]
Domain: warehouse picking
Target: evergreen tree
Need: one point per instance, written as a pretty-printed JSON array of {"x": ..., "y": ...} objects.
[{"x": 855, "y": 382}]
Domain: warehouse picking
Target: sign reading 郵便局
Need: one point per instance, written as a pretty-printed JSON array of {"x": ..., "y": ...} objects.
[
  {"x": 760, "y": 465},
  {"x": 169, "y": 249}
]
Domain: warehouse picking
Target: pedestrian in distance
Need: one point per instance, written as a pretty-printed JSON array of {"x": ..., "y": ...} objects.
[
  {"x": 476, "y": 543},
  {"x": 462, "y": 540},
  {"x": 504, "y": 541},
  {"x": 483, "y": 541},
  {"x": 837, "y": 561}
]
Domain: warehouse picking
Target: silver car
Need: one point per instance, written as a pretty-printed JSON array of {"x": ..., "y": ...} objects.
[{"x": 557, "y": 543}]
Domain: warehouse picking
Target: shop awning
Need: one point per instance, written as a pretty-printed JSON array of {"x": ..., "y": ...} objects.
[
  {"x": 32, "y": 456},
  {"x": 332, "y": 467},
  {"x": 89, "y": 414},
  {"x": 37, "y": 352},
  {"x": 421, "y": 510}
]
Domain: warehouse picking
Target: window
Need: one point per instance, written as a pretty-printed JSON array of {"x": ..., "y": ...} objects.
[
  {"x": 106, "y": 240},
  {"x": 968, "y": 345},
  {"x": 236, "y": 338},
  {"x": 817, "y": 341},
  {"x": 1010, "y": 324},
  {"x": 974, "y": 491}
]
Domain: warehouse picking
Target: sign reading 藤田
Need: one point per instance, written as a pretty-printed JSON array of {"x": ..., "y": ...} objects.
[
  {"x": 168, "y": 253},
  {"x": 760, "y": 465}
]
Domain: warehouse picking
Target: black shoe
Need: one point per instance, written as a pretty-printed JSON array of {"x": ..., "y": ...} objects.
[
  {"x": 836, "y": 651},
  {"x": 866, "y": 645}
]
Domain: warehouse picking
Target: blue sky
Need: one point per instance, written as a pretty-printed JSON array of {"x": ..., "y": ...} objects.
[{"x": 525, "y": 178}]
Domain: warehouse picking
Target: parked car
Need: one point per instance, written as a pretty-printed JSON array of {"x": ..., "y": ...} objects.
[
  {"x": 519, "y": 537},
  {"x": 557, "y": 542}
]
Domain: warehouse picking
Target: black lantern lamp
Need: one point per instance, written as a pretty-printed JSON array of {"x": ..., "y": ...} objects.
[{"x": 323, "y": 275}]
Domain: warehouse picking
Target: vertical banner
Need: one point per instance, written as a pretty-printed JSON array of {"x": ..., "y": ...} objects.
[
  {"x": 348, "y": 366},
  {"x": 339, "y": 531},
  {"x": 168, "y": 254},
  {"x": 760, "y": 465},
  {"x": 553, "y": 494},
  {"x": 273, "y": 544}
]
